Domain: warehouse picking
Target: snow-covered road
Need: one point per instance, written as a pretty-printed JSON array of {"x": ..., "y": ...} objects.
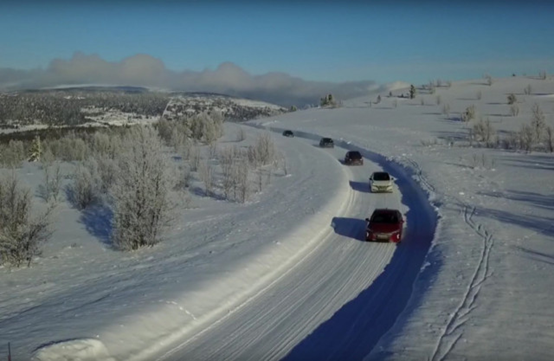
[{"x": 340, "y": 298}]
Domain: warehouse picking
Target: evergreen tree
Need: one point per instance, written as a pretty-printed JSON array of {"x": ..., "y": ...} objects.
[
  {"x": 412, "y": 91},
  {"x": 36, "y": 150}
]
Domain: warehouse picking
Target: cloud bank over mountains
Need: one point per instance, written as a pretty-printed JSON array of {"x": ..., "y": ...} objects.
[{"x": 145, "y": 70}]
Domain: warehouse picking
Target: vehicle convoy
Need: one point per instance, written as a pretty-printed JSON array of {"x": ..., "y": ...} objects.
[
  {"x": 380, "y": 182},
  {"x": 326, "y": 143},
  {"x": 385, "y": 225},
  {"x": 288, "y": 133},
  {"x": 353, "y": 157}
]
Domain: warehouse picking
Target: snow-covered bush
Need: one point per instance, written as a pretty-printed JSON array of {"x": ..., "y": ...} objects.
[
  {"x": 468, "y": 114},
  {"x": 85, "y": 189},
  {"x": 206, "y": 174},
  {"x": 141, "y": 193},
  {"x": 12, "y": 154},
  {"x": 512, "y": 99},
  {"x": 483, "y": 130},
  {"x": 538, "y": 122},
  {"x": 21, "y": 234},
  {"x": 52, "y": 181}
]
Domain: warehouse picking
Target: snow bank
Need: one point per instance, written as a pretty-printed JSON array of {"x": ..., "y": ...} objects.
[{"x": 87, "y": 349}]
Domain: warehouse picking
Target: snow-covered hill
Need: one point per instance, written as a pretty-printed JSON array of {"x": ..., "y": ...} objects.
[{"x": 286, "y": 275}]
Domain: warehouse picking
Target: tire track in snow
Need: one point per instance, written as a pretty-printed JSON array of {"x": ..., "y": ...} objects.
[{"x": 452, "y": 332}]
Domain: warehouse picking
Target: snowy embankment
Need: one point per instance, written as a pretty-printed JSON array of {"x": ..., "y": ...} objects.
[
  {"x": 80, "y": 294},
  {"x": 221, "y": 297}
]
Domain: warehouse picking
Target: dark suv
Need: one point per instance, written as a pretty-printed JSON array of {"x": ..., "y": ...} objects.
[
  {"x": 353, "y": 157},
  {"x": 288, "y": 133},
  {"x": 385, "y": 225},
  {"x": 326, "y": 143}
]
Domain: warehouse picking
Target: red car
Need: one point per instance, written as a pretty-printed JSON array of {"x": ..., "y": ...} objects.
[
  {"x": 353, "y": 157},
  {"x": 385, "y": 225}
]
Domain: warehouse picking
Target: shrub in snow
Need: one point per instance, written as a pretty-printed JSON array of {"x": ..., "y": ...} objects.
[
  {"x": 446, "y": 110},
  {"x": 241, "y": 182},
  {"x": 527, "y": 90},
  {"x": 526, "y": 137},
  {"x": 12, "y": 154},
  {"x": 514, "y": 110},
  {"x": 194, "y": 158},
  {"x": 206, "y": 174},
  {"x": 538, "y": 122},
  {"x": 21, "y": 235},
  {"x": 84, "y": 191},
  {"x": 468, "y": 114},
  {"x": 293, "y": 108},
  {"x": 263, "y": 153},
  {"x": 543, "y": 75},
  {"x": 52, "y": 181},
  {"x": 512, "y": 98},
  {"x": 141, "y": 198},
  {"x": 549, "y": 139},
  {"x": 483, "y": 131},
  {"x": 72, "y": 148}
]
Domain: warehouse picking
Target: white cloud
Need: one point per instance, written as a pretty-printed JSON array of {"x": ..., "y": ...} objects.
[{"x": 145, "y": 70}]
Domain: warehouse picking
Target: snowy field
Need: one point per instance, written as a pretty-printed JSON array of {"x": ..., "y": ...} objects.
[{"x": 287, "y": 276}]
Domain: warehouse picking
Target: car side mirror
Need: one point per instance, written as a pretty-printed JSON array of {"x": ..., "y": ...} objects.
[{"x": 367, "y": 219}]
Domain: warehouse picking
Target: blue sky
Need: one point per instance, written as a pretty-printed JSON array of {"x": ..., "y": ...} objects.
[{"x": 323, "y": 41}]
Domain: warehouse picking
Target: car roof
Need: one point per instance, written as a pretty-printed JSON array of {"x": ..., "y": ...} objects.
[
  {"x": 327, "y": 139},
  {"x": 353, "y": 152},
  {"x": 385, "y": 211}
]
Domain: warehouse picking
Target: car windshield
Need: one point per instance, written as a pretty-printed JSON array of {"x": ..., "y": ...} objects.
[
  {"x": 327, "y": 140},
  {"x": 381, "y": 176},
  {"x": 355, "y": 155},
  {"x": 387, "y": 218}
]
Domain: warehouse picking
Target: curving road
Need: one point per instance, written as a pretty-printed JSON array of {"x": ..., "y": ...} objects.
[{"x": 341, "y": 298}]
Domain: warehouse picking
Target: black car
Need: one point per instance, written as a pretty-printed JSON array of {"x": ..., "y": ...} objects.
[
  {"x": 353, "y": 157},
  {"x": 326, "y": 143},
  {"x": 288, "y": 133}
]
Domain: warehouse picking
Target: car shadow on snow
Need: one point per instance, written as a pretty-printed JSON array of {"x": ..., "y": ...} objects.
[
  {"x": 349, "y": 227},
  {"x": 360, "y": 186}
]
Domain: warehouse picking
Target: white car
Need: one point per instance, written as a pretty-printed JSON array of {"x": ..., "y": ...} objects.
[{"x": 380, "y": 182}]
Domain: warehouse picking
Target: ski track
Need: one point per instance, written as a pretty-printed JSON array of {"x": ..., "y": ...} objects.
[
  {"x": 453, "y": 330},
  {"x": 329, "y": 289}
]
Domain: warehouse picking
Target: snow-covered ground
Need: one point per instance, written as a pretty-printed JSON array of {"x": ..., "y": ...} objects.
[{"x": 287, "y": 276}]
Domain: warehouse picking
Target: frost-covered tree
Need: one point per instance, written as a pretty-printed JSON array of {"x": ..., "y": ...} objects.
[
  {"x": 538, "y": 122},
  {"x": 141, "y": 193},
  {"x": 21, "y": 234}
]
